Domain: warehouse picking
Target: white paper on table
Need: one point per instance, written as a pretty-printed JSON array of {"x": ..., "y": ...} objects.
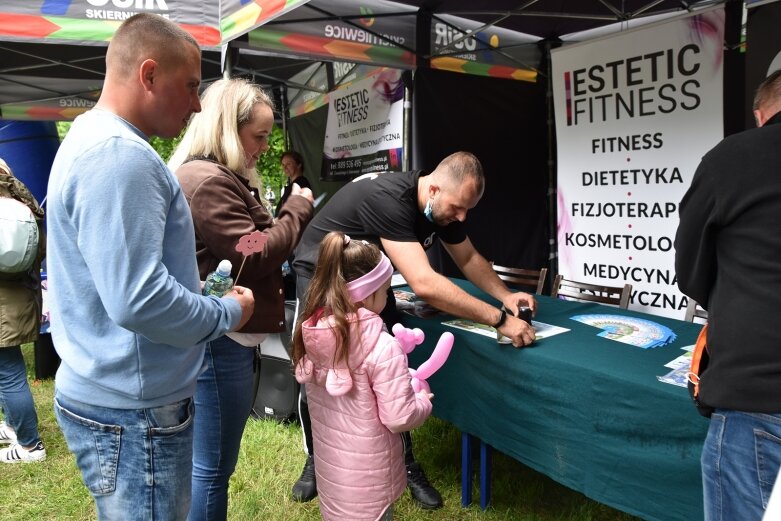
[
  {"x": 685, "y": 360},
  {"x": 541, "y": 329},
  {"x": 397, "y": 279}
]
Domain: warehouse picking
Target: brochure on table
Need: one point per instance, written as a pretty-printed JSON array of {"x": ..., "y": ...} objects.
[
  {"x": 629, "y": 330},
  {"x": 541, "y": 329}
]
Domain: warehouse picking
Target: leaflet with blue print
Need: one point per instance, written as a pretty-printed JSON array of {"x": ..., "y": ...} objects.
[{"x": 629, "y": 330}]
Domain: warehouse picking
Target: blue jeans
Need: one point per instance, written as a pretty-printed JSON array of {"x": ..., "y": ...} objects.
[
  {"x": 136, "y": 463},
  {"x": 223, "y": 400},
  {"x": 15, "y": 397},
  {"x": 740, "y": 461}
]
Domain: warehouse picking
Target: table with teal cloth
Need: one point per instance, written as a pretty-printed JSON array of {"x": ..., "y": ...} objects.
[{"x": 587, "y": 411}]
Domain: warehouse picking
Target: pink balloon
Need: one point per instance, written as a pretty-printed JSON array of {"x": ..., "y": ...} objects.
[
  {"x": 420, "y": 385},
  {"x": 437, "y": 358},
  {"x": 409, "y": 338}
]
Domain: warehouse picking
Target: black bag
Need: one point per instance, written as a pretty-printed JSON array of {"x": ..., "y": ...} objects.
[
  {"x": 700, "y": 359},
  {"x": 276, "y": 388}
]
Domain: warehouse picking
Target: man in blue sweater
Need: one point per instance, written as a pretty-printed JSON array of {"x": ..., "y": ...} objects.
[{"x": 128, "y": 319}]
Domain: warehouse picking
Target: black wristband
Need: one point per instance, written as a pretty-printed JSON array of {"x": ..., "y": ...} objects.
[{"x": 501, "y": 320}]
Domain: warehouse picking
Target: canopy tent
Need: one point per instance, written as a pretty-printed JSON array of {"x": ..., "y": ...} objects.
[
  {"x": 53, "y": 50},
  {"x": 303, "y": 50}
]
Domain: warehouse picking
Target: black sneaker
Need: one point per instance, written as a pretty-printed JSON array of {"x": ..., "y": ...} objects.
[
  {"x": 423, "y": 493},
  {"x": 305, "y": 488}
]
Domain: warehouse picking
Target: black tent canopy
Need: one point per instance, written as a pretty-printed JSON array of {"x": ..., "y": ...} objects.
[{"x": 50, "y": 71}]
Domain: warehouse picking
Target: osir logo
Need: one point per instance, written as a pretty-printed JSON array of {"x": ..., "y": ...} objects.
[{"x": 132, "y": 4}]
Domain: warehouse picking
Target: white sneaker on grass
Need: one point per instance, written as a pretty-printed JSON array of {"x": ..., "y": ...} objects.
[
  {"x": 7, "y": 434},
  {"x": 18, "y": 454}
]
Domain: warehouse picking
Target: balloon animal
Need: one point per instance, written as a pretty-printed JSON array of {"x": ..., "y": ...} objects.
[{"x": 409, "y": 338}]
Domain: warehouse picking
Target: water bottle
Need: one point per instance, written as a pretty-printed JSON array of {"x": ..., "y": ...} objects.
[{"x": 219, "y": 282}]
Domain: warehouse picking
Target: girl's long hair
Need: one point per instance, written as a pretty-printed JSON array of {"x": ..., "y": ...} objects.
[{"x": 337, "y": 264}]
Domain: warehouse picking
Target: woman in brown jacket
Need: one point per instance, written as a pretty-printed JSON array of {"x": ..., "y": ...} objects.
[
  {"x": 20, "y": 320},
  {"x": 215, "y": 163}
]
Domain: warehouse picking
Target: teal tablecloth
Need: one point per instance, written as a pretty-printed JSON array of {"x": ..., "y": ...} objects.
[{"x": 587, "y": 411}]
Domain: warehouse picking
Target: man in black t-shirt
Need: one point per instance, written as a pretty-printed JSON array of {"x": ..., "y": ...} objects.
[{"x": 402, "y": 213}]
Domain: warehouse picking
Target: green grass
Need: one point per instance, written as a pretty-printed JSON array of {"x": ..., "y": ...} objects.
[{"x": 271, "y": 460}]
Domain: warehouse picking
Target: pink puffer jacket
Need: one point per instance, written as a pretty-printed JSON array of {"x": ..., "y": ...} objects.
[{"x": 356, "y": 415}]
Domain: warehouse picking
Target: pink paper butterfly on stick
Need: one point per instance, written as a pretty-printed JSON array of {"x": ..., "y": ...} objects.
[{"x": 248, "y": 244}]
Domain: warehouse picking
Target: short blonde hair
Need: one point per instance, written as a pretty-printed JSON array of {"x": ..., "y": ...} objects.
[
  {"x": 769, "y": 92},
  {"x": 226, "y": 105},
  {"x": 146, "y": 36},
  {"x": 460, "y": 166}
]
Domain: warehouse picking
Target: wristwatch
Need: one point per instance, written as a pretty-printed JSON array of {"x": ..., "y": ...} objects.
[{"x": 501, "y": 320}]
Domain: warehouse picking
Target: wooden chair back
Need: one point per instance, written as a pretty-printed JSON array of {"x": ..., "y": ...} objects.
[
  {"x": 615, "y": 295},
  {"x": 694, "y": 310},
  {"x": 522, "y": 277}
]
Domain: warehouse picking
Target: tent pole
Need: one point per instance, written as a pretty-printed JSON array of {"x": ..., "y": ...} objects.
[
  {"x": 423, "y": 50},
  {"x": 406, "y": 140},
  {"x": 230, "y": 55},
  {"x": 285, "y": 110},
  {"x": 553, "y": 248}
]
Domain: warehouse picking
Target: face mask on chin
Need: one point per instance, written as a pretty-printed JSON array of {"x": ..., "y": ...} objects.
[{"x": 428, "y": 211}]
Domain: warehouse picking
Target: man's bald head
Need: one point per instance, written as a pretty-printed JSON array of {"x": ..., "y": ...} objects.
[
  {"x": 458, "y": 168},
  {"x": 767, "y": 101},
  {"x": 145, "y": 36}
]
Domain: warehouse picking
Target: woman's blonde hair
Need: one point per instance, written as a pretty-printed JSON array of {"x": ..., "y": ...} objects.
[{"x": 226, "y": 105}]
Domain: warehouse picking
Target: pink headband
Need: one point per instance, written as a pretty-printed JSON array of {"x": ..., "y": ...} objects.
[{"x": 367, "y": 284}]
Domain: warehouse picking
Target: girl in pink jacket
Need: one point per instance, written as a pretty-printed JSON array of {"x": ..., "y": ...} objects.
[{"x": 357, "y": 382}]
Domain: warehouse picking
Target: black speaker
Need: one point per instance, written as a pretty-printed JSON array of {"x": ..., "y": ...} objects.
[{"x": 277, "y": 390}]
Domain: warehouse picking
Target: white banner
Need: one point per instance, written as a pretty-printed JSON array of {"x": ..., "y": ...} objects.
[
  {"x": 365, "y": 126},
  {"x": 635, "y": 113}
]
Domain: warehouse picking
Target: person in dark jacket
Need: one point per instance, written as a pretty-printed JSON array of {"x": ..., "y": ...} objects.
[
  {"x": 215, "y": 164},
  {"x": 20, "y": 322},
  {"x": 728, "y": 247},
  {"x": 293, "y": 166}
]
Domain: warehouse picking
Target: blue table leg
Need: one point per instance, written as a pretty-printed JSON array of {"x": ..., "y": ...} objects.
[
  {"x": 486, "y": 453},
  {"x": 466, "y": 469}
]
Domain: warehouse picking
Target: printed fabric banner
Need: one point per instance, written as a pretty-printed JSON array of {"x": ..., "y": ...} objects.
[
  {"x": 365, "y": 127},
  {"x": 635, "y": 112}
]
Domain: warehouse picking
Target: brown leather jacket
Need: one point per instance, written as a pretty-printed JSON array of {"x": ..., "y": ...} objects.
[
  {"x": 20, "y": 295},
  {"x": 224, "y": 208}
]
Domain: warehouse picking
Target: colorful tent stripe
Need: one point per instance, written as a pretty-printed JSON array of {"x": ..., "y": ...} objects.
[
  {"x": 56, "y": 27},
  {"x": 448, "y": 63},
  {"x": 330, "y": 48},
  {"x": 77, "y": 29},
  {"x": 205, "y": 35},
  {"x": 27, "y": 26},
  {"x": 309, "y": 105},
  {"x": 40, "y": 113},
  {"x": 252, "y": 15}
]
